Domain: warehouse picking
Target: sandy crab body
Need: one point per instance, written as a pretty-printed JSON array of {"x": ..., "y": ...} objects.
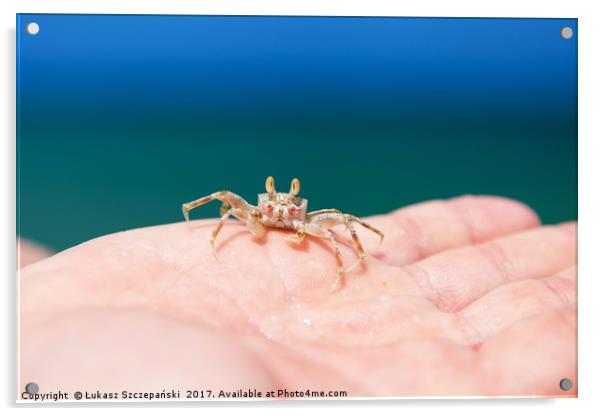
[
  {"x": 280, "y": 212},
  {"x": 288, "y": 211}
]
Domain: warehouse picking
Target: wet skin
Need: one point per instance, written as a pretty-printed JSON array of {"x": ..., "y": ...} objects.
[{"x": 470, "y": 296}]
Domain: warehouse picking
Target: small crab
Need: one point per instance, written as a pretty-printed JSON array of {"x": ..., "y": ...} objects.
[{"x": 285, "y": 210}]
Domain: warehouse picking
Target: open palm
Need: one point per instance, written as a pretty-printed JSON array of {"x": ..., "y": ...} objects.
[{"x": 470, "y": 296}]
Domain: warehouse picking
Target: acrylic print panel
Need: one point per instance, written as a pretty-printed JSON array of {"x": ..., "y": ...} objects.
[{"x": 122, "y": 119}]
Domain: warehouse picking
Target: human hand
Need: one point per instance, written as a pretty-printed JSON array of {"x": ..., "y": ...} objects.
[
  {"x": 29, "y": 252},
  {"x": 470, "y": 296}
]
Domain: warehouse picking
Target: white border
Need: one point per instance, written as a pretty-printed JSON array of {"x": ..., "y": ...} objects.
[
  {"x": 510, "y": 8},
  {"x": 590, "y": 68}
]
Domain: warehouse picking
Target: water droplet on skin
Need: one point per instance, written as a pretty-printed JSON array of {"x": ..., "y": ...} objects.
[
  {"x": 306, "y": 321},
  {"x": 271, "y": 328},
  {"x": 414, "y": 314},
  {"x": 385, "y": 297}
]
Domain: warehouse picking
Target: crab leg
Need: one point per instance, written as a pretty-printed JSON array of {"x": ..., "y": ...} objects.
[
  {"x": 348, "y": 217},
  {"x": 359, "y": 249},
  {"x": 225, "y": 207},
  {"x": 238, "y": 214},
  {"x": 339, "y": 260},
  {"x": 366, "y": 225},
  {"x": 328, "y": 218},
  {"x": 297, "y": 237},
  {"x": 228, "y": 199},
  {"x": 324, "y": 233},
  {"x": 319, "y": 227},
  {"x": 335, "y": 217},
  {"x": 232, "y": 204}
]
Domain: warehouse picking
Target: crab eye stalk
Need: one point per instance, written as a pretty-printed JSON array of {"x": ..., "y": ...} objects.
[
  {"x": 269, "y": 185},
  {"x": 295, "y": 187}
]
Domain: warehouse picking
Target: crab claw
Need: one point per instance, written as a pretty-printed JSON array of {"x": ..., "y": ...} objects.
[
  {"x": 255, "y": 226},
  {"x": 295, "y": 238}
]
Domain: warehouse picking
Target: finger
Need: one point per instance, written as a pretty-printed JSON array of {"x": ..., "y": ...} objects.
[
  {"x": 532, "y": 356},
  {"x": 453, "y": 279},
  {"x": 518, "y": 300},
  {"x": 418, "y": 231}
]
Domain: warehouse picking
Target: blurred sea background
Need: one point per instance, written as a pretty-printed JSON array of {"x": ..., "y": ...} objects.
[{"x": 121, "y": 119}]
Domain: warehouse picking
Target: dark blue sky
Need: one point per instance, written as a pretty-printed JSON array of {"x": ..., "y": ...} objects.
[
  {"x": 235, "y": 62},
  {"x": 371, "y": 114}
]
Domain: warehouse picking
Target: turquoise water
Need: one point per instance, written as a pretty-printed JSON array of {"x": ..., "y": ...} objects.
[{"x": 114, "y": 134}]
